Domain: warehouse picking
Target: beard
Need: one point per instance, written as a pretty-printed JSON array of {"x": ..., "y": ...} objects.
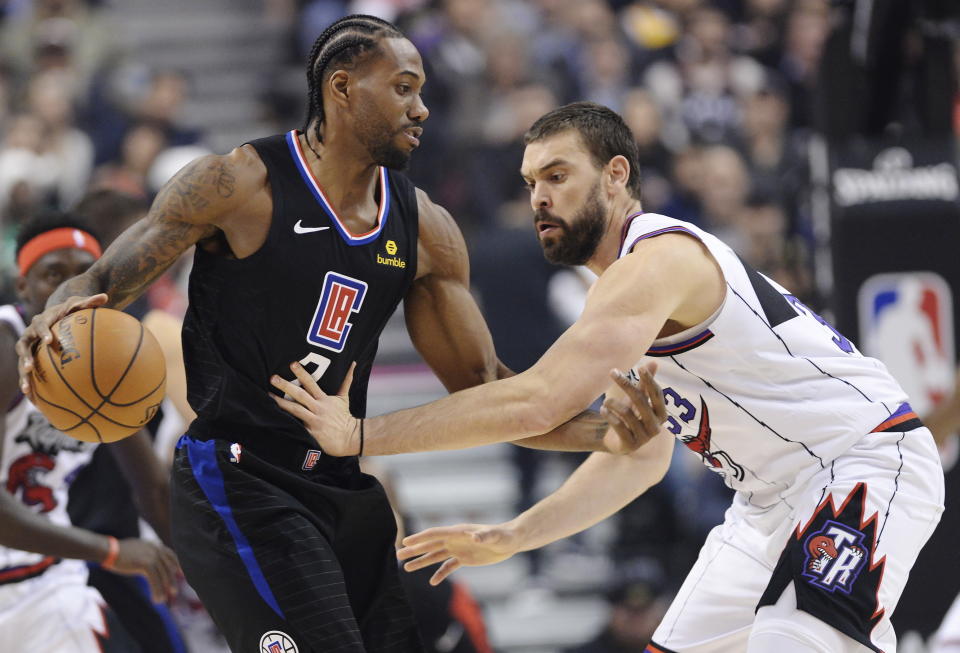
[
  {"x": 376, "y": 136},
  {"x": 579, "y": 239}
]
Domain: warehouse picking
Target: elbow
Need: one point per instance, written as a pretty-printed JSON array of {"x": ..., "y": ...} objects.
[{"x": 541, "y": 412}]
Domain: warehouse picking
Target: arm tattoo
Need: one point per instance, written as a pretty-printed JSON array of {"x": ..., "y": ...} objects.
[{"x": 180, "y": 216}]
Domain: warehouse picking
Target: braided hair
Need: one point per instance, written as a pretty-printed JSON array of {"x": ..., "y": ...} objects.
[{"x": 340, "y": 44}]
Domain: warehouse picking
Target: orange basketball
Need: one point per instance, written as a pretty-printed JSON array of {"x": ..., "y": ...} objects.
[{"x": 103, "y": 377}]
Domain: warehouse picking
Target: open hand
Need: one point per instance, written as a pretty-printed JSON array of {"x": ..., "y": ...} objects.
[
  {"x": 153, "y": 561},
  {"x": 38, "y": 332},
  {"x": 637, "y": 417},
  {"x": 326, "y": 417},
  {"x": 470, "y": 545}
]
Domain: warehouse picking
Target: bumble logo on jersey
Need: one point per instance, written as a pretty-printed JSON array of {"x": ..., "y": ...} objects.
[{"x": 394, "y": 261}]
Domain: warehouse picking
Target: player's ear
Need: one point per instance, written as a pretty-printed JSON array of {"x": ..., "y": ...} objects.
[
  {"x": 338, "y": 87},
  {"x": 21, "y": 287},
  {"x": 618, "y": 172}
]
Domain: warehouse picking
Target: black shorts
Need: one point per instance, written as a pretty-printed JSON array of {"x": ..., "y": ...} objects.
[{"x": 284, "y": 563}]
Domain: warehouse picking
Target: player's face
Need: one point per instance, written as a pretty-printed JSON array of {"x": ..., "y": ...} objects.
[
  {"x": 390, "y": 111},
  {"x": 49, "y": 272},
  {"x": 570, "y": 214}
]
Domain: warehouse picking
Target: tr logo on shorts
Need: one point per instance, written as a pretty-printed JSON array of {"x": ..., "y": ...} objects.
[
  {"x": 341, "y": 296},
  {"x": 277, "y": 641},
  {"x": 835, "y": 557}
]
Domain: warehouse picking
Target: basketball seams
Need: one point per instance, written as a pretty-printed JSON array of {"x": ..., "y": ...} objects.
[
  {"x": 133, "y": 358},
  {"x": 105, "y": 398}
]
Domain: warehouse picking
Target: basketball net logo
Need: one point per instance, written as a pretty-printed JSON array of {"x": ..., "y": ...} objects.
[
  {"x": 277, "y": 641},
  {"x": 341, "y": 296}
]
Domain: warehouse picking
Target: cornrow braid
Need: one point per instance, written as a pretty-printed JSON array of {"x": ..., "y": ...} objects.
[{"x": 338, "y": 45}]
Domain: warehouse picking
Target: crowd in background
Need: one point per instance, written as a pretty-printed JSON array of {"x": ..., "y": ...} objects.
[{"x": 719, "y": 94}]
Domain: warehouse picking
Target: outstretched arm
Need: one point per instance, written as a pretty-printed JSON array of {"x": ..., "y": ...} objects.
[
  {"x": 668, "y": 277},
  {"x": 448, "y": 329},
  {"x": 601, "y": 486}
]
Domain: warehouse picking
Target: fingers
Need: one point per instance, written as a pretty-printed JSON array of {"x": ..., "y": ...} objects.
[
  {"x": 627, "y": 426},
  {"x": 291, "y": 389},
  {"x": 431, "y": 558},
  {"x": 347, "y": 381},
  {"x": 292, "y": 407},
  {"x": 307, "y": 382},
  {"x": 653, "y": 391},
  {"x": 408, "y": 552},
  {"x": 436, "y": 533},
  {"x": 445, "y": 570}
]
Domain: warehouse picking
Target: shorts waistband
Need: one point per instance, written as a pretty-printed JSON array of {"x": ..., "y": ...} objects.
[{"x": 281, "y": 452}]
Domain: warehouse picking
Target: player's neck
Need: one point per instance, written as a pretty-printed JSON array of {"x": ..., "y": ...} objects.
[
  {"x": 608, "y": 251},
  {"x": 344, "y": 171}
]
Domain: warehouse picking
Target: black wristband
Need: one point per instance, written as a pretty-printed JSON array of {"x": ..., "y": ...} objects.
[{"x": 361, "y": 437}]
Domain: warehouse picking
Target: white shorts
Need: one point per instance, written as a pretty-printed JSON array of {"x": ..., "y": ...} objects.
[
  {"x": 840, "y": 549},
  {"x": 52, "y": 616}
]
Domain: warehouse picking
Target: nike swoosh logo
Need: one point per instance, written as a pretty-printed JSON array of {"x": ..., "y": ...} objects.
[{"x": 306, "y": 230}]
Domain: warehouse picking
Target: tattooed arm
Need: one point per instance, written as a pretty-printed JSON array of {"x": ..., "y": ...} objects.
[{"x": 224, "y": 196}]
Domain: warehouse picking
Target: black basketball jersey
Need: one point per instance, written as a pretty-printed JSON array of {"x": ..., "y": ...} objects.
[{"x": 314, "y": 293}]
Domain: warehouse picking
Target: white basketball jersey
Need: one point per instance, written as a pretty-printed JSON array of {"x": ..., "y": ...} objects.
[
  {"x": 37, "y": 467},
  {"x": 765, "y": 391}
]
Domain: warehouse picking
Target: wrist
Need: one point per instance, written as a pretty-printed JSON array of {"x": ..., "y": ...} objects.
[{"x": 113, "y": 551}]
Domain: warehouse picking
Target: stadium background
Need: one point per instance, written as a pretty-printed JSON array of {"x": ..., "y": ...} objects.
[{"x": 744, "y": 111}]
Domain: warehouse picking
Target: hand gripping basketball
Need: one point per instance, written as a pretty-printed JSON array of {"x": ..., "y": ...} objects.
[{"x": 38, "y": 332}]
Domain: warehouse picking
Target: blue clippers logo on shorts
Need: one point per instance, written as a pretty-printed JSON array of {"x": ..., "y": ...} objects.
[
  {"x": 835, "y": 557},
  {"x": 341, "y": 296},
  {"x": 906, "y": 320}
]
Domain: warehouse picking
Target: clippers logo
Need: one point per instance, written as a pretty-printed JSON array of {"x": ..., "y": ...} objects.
[
  {"x": 277, "y": 641},
  {"x": 835, "y": 557},
  {"x": 341, "y": 296},
  {"x": 310, "y": 460},
  {"x": 906, "y": 320}
]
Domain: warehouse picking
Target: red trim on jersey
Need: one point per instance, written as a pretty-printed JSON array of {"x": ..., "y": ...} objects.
[
  {"x": 22, "y": 572},
  {"x": 894, "y": 421},
  {"x": 343, "y": 225}
]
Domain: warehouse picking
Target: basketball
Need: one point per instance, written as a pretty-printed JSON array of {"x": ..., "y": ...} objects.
[{"x": 103, "y": 377}]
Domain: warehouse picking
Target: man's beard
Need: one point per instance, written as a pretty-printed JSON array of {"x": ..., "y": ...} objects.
[
  {"x": 379, "y": 141},
  {"x": 579, "y": 239}
]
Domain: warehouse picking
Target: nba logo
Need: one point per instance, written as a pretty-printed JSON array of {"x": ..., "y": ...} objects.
[
  {"x": 340, "y": 298},
  {"x": 906, "y": 320}
]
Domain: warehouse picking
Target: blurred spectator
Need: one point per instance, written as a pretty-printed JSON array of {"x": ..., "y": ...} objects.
[
  {"x": 66, "y": 34},
  {"x": 723, "y": 193},
  {"x": 66, "y": 151},
  {"x": 807, "y": 29},
  {"x": 643, "y": 117},
  {"x": 158, "y": 101},
  {"x": 638, "y": 599},
  {"x": 142, "y": 144},
  {"x": 24, "y": 181},
  {"x": 701, "y": 88},
  {"x": 759, "y": 33},
  {"x": 687, "y": 176},
  {"x": 777, "y": 160}
]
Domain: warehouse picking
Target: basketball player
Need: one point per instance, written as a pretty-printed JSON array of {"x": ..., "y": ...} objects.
[
  {"x": 307, "y": 242},
  {"x": 838, "y": 482},
  {"x": 45, "y": 602}
]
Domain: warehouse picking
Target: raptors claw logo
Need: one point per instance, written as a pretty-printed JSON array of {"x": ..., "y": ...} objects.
[{"x": 700, "y": 443}]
